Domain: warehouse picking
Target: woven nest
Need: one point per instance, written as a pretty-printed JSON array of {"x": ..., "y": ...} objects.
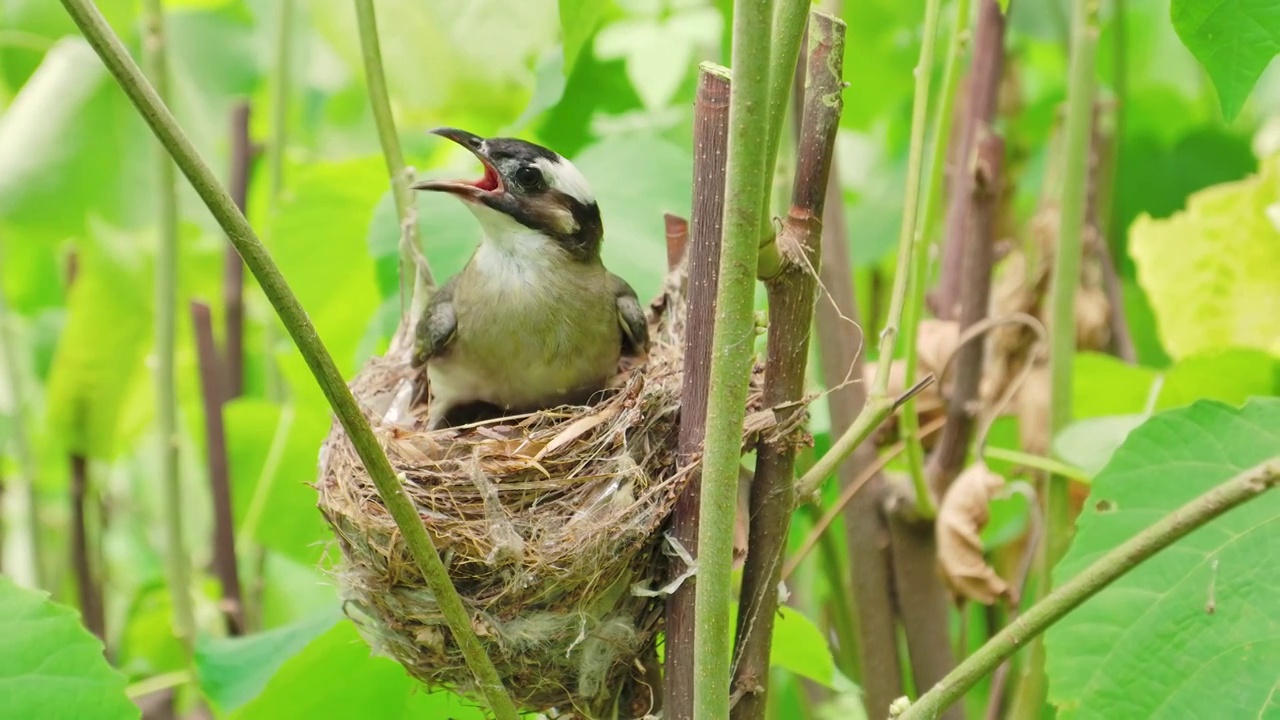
[{"x": 549, "y": 525}]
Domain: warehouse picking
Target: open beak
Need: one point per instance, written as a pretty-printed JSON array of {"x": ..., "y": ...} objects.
[{"x": 490, "y": 184}]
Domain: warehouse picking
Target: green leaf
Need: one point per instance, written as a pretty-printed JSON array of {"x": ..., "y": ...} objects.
[
  {"x": 1089, "y": 444},
  {"x": 1210, "y": 271},
  {"x": 1235, "y": 40},
  {"x": 337, "y": 677},
  {"x": 234, "y": 670},
  {"x": 579, "y": 20},
  {"x": 102, "y": 346},
  {"x": 1192, "y": 632},
  {"x": 636, "y": 179},
  {"x": 52, "y": 667}
]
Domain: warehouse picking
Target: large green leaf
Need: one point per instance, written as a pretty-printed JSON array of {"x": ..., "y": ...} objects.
[
  {"x": 1235, "y": 40},
  {"x": 101, "y": 349},
  {"x": 234, "y": 670},
  {"x": 335, "y": 676},
  {"x": 1211, "y": 271},
  {"x": 1193, "y": 631},
  {"x": 579, "y": 20},
  {"x": 52, "y": 667}
]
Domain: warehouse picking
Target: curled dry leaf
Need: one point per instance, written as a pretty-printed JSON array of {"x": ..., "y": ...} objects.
[{"x": 961, "y": 517}]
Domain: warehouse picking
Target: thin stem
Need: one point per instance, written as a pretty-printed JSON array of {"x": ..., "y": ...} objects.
[
  {"x": 788, "y": 30},
  {"x": 791, "y": 303},
  {"x": 1036, "y": 462},
  {"x": 162, "y": 123},
  {"x": 88, "y": 586},
  {"x": 380, "y": 102},
  {"x": 233, "y": 266},
  {"x": 910, "y": 206},
  {"x": 214, "y": 393},
  {"x": 166, "y": 301},
  {"x": 875, "y": 412},
  {"x": 913, "y": 313},
  {"x": 277, "y": 150},
  {"x": 1062, "y": 327},
  {"x": 732, "y": 355},
  {"x": 1106, "y": 570},
  {"x": 706, "y": 225}
]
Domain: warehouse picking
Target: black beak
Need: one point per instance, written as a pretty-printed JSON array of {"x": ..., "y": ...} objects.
[{"x": 490, "y": 184}]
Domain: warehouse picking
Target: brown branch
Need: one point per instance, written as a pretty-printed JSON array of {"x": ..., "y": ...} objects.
[
  {"x": 975, "y": 291},
  {"x": 224, "y": 539},
  {"x": 840, "y": 341},
  {"x": 979, "y": 100},
  {"x": 711, "y": 140},
  {"x": 233, "y": 267},
  {"x": 791, "y": 304},
  {"x": 88, "y": 587}
]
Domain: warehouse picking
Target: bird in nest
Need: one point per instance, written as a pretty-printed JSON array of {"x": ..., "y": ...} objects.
[{"x": 535, "y": 319}]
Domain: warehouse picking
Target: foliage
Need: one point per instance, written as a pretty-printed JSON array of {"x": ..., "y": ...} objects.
[
  {"x": 1234, "y": 39},
  {"x": 52, "y": 666},
  {"x": 1204, "y": 605}
]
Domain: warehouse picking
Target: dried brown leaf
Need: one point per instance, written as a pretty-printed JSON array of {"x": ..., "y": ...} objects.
[{"x": 961, "y": 517}]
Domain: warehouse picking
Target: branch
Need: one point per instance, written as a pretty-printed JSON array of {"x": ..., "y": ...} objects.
[
  {"x": 233, "y": 267},
  {"x": 116, "y": 58},
  {"x": 731, "y": 358},
  {"x": 710, "y": 143},
  {"x": 166, "y": 302},
  {"x": 379, "y": 100},
  {"x": 788, "y": 30},
  {"x": 214, "y": 394},
  {"x": 88, "y": 587},
  {"x": 975, "y": 290},
  {"x": 913, "y": 313},
  {"x": 791, "y": 304},
  {"x": 1106, "y": 570}
]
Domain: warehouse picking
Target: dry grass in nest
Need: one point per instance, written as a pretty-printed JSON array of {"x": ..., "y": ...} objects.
[{"x": 549, "y": 525}]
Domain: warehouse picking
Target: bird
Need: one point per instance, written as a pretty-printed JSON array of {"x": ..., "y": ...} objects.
[{"x": 534, "y": 320}]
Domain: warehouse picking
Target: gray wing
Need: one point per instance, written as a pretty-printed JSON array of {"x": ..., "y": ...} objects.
[
  {"x": 437, "y": 326},
  {"x": 635, "y": 326}
]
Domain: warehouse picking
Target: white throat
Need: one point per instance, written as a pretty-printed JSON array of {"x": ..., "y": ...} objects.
[{"x": 511, "y": 254}]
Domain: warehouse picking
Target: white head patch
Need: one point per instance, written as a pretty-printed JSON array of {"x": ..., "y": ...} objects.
[{"x": 563, "y": 176}]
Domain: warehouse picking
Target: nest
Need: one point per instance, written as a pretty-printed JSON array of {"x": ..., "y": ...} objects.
[{"x": 549, "y": 525}]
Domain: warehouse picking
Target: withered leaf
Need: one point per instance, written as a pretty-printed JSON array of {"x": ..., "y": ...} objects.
[{"x": 961, "y": 517}]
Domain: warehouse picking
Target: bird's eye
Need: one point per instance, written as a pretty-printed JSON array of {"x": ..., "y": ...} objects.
[{"x": 529, "y": 177}]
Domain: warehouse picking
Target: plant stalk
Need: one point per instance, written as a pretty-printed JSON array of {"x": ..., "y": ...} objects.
[
  {"x": 28, "y": 470},
  {"x": 1106, "y": 570},
  {"x": 913, "y": 313},
  {"x": 277, "y": 149},
  {"x": 166, "y": 302},
  {"x": 153, "y": 111},
  {"x": 791, "y": 304},
  {"x": 731, "y": 358},
  {"x": 233, "y": 267},
  {"x": 706, "y": 225},
  {"x": 88, "y": 585}
]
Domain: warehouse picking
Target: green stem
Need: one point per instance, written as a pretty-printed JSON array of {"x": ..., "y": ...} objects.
[
  {"x": 923, "y": 238},
  {"x": 27, "y": 467},
  {"x": 876, "y": 411},
  {"x": 910, "y": 207},
  {"x": 732, "y": 353},
  {"x": 220, "y": 204},
  {"x": 1106, "y": 570},
  {"x": 1066, "y": 276},
  {"x": 166, "y": 303},
  {"x": 788, "y": 31},
  {"x": 1036, "y": 462},
  {"x": 380, "y": 101}
]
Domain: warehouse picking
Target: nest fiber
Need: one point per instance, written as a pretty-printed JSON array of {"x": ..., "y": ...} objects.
[{"x": 549, "y": 525}]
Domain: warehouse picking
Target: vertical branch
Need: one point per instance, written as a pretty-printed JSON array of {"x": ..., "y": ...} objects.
[
  {"x": 788, "y": 30},
  {"x": 731, "y": 358},
  {"x": 224, "y": 539},
  {"x": 233, "y": 266},
  {"x": 791, "y": 303},
  {"x": 166, "y": 300},
  {"x": 710, "y": 144},
  {"x": 88, "y": 588},
  {"x": 277, "y": 149},
  {"x": 913, "y": 313},
  {"x": 379, "y": 100},
  {"x": 983, "y": 91},
  {"x": 1062, "y": 327}
]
